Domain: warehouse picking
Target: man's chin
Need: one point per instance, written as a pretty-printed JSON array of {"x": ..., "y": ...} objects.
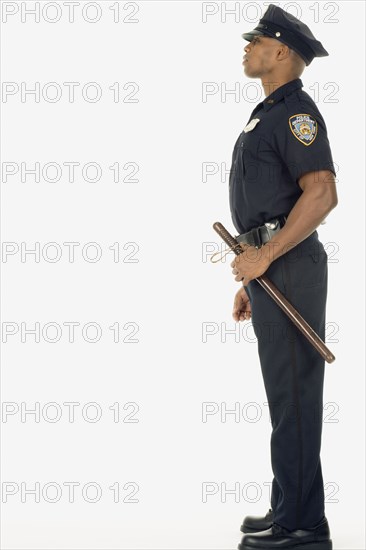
[{"x": 250, "y": 73}]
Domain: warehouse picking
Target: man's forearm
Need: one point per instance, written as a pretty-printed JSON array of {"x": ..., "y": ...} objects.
[{"x": 307, "y": 214}]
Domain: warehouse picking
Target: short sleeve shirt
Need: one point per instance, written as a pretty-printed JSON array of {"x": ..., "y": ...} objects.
[{"x": 285, "y": 137}]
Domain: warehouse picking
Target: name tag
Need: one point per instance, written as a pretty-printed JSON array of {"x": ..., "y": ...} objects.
[{"x": 251, "y": 125}]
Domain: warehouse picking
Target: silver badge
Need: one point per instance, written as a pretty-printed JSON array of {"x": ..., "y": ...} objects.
[{"x": 251, "y": 125}]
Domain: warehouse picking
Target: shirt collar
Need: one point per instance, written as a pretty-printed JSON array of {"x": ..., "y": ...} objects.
[{"x": 281, "y": 92}]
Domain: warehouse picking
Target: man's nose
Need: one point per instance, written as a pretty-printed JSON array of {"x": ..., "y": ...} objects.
[{"x": 247, "y": 48}]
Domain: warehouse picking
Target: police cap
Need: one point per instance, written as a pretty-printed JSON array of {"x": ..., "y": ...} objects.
[{"x": 279, "y": 24}]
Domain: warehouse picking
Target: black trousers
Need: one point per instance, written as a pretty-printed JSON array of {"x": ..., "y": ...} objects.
[{"x": 293, "y": 375}]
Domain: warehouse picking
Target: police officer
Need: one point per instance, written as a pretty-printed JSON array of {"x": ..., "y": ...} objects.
[{"x": 282, "y": 186}]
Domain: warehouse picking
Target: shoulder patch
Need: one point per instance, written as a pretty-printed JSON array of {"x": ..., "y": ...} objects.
[{"x": 304, "y": 128}]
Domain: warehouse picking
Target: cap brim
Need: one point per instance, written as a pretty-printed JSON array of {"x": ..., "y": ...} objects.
[
  {"x": 322, "y": 52},
  {"x": 250, "y": 35}
]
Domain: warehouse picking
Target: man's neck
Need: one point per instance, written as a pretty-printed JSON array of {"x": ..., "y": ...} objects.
[{"x": 271, "y": 83}]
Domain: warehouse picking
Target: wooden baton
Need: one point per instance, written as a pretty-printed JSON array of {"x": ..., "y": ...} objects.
[{"x": 280, "y": 299}]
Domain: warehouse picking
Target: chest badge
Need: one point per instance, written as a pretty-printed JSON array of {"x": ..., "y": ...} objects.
[
  {"x": 304, "y": 128},
  {"x": 251, "y": 125}
]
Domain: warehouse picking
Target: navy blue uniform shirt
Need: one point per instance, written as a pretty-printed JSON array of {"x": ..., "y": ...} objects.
[{"x": 285, "y": 137}]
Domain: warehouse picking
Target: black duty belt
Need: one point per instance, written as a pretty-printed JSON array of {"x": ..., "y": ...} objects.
[{"x": 262, "y": 234}]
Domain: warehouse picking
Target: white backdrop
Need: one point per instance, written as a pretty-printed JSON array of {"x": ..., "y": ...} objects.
[{"x": 135, "y": 362}]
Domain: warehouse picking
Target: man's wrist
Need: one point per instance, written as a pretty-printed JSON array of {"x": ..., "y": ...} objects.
[
  {"x": 273, "y": 250},
  {"x": 269, "y": 251}
]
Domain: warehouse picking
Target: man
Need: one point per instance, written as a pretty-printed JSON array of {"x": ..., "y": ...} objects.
[{"x": 282, "y": 186}]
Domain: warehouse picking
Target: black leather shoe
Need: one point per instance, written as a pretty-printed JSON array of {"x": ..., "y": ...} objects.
[
  {"x": 253, "y": 524},
  {"x": 277, "y": 537}
]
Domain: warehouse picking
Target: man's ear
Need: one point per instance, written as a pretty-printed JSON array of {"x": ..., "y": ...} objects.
[{"x": 283, "y": 52}]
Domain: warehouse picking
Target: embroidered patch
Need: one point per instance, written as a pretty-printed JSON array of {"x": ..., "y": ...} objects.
[
  {"x": 251, "y": 125},
  {"x": 304, "y": 128}
]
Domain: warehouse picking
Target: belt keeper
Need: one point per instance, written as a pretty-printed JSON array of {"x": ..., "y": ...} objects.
[{"x": 256, "y": 237}]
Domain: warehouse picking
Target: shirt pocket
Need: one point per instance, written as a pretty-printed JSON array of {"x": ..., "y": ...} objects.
[{"x": 248, "y": 153}]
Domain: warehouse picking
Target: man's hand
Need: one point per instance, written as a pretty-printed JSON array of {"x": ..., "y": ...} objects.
[
  {"x": 242, "y": 310},
  {"x": 251, "y": 263}
]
